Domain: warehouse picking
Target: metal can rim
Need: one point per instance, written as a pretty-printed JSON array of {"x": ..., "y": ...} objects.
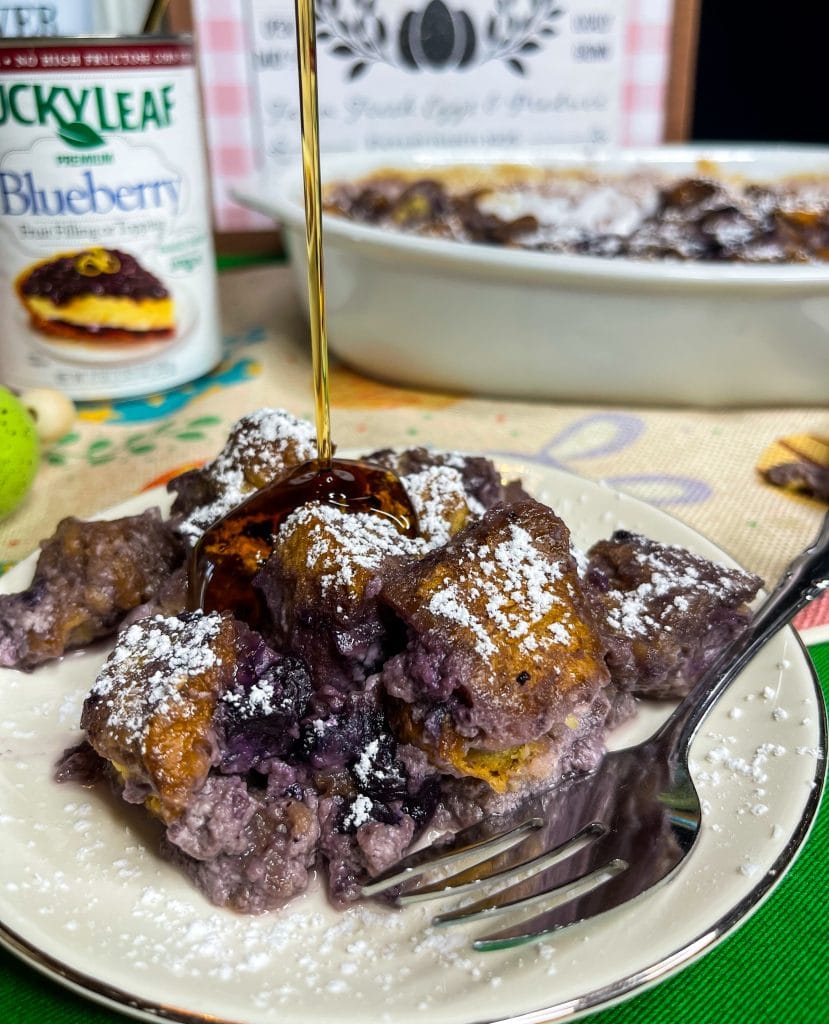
[{"x": 46, "y": 41}]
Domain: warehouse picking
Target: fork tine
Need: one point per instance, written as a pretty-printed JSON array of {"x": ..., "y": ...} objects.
[
  {"x": 537, "y": 927},
  {"x": 516, "y": 897},
  {"x": 503, "y": 868},
  {"x": 478, "y": 841}
]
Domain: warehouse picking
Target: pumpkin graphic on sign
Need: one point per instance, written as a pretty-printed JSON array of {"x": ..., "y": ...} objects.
[{"x": 437, "y": 36}]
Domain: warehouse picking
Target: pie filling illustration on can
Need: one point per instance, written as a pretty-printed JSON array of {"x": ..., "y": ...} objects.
[{"x": 100, "y": 294}]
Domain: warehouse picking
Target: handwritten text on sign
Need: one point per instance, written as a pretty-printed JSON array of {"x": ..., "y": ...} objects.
[{"x": 444, "y": 73}]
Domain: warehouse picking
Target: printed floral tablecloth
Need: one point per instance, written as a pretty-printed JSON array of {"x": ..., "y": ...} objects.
[{"x": 699, "y": 466}]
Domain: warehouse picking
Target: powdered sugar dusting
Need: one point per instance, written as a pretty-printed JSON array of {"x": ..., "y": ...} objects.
[
  {"x": 449, "y": 603},
  {"x": 259, "y": 699},
  {"x": 260, "y": 448},
  {"x": 291, "y": 955},
  {"x": 346, "y": 548},
  {"x": 755, "y": 769},
  {"x": 174, "y": 650},
  {"x": 440, "y": 501},
  {"x": 671, "y": 574},
  {"x": 515, "y": 582},
  {"x": 576, "y": 208}
]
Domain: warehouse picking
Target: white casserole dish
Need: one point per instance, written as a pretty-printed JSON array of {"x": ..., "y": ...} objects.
[{"x": 484, "y": 319}]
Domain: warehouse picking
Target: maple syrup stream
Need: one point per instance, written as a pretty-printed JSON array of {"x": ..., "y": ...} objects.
[{"x": 230, "y": 552}]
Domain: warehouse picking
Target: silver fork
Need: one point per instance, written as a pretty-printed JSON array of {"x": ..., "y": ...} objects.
[{"x": 596, "y": 841}]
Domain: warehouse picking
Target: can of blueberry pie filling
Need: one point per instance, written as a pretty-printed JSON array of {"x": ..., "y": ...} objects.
[{"x": 107, "y": 272}]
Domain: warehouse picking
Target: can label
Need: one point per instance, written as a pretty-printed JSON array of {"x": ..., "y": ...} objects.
[{"x": 107, "y": 275}]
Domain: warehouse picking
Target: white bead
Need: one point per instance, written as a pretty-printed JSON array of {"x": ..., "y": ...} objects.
[{"x": 51, "y": 410}]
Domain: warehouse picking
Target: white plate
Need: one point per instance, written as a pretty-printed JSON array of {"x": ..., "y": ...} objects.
[
  {"x": 85, "y": 898},
  {"x": 488, "y": 319}
]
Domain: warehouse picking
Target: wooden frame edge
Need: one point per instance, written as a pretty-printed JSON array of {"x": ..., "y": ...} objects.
[{"x": 679, "y": 101}]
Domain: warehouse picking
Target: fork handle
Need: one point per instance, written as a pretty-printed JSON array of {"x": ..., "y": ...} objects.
[{"x": 805, "y": 577}]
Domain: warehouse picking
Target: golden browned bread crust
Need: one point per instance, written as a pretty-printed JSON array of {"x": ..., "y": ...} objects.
[
  {"x": 503, "y": 648},
  {"x": 151, "y": 710}
]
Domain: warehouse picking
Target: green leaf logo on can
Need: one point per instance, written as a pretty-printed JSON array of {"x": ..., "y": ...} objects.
[{"x": 80, "y": 136}]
